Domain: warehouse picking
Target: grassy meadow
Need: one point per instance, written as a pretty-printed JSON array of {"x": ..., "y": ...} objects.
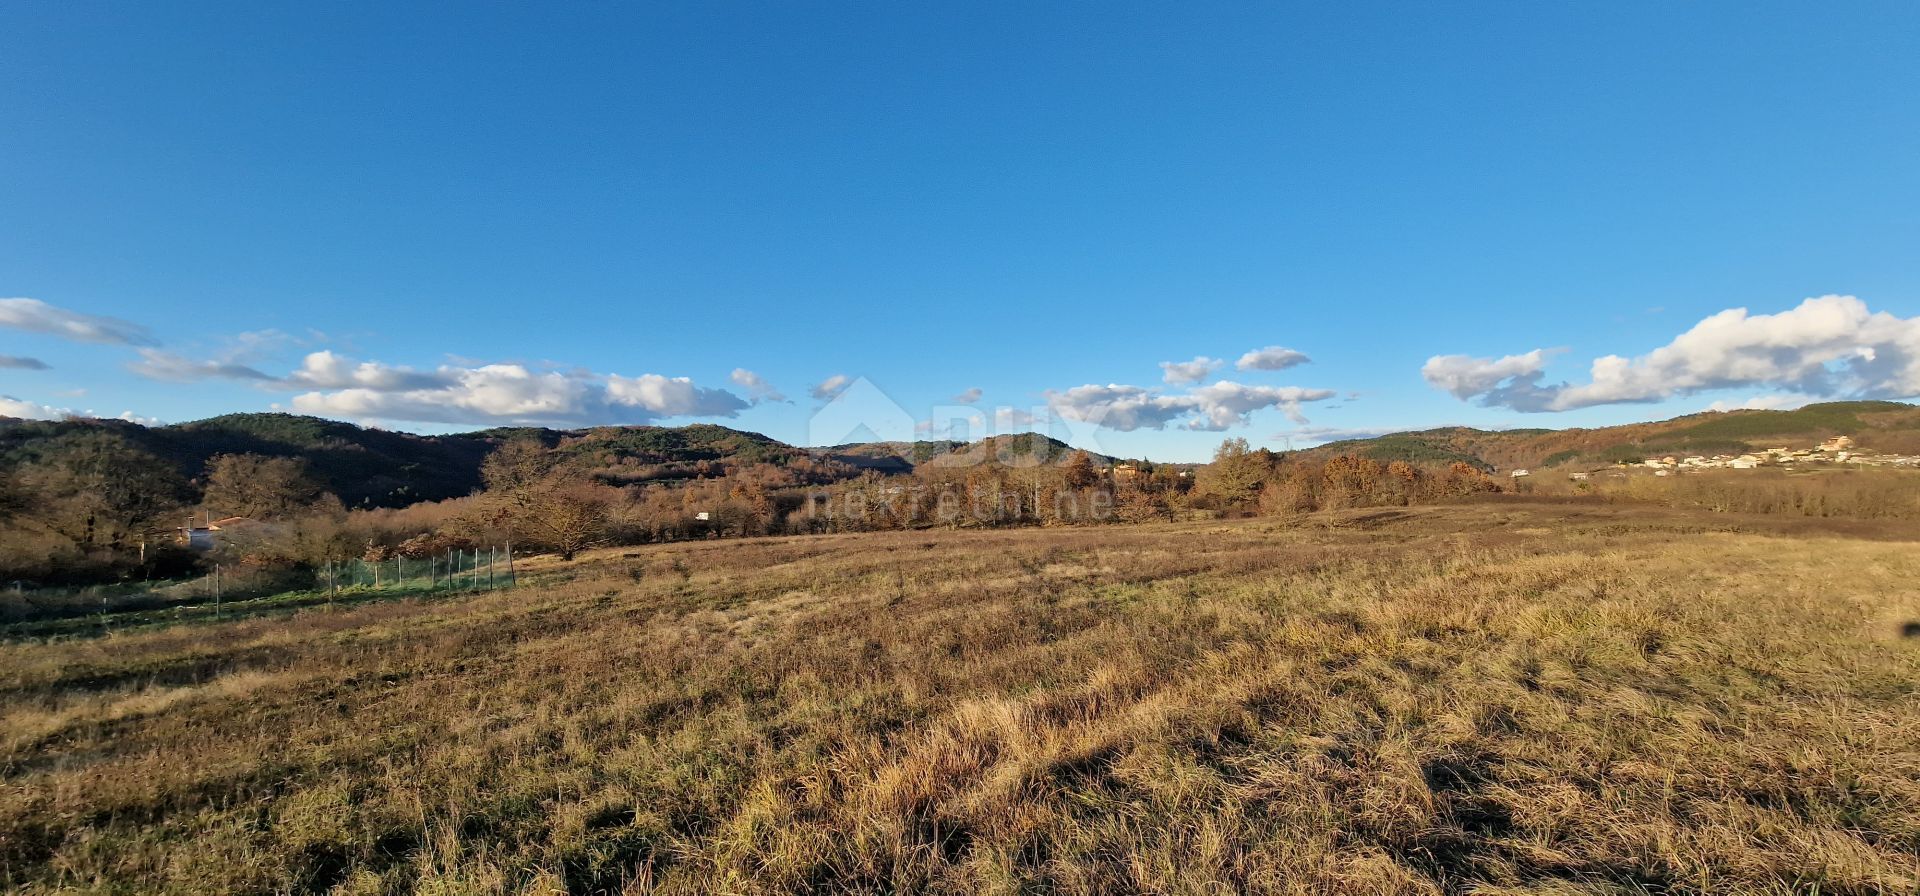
[{"x": 1504, "y": 697}]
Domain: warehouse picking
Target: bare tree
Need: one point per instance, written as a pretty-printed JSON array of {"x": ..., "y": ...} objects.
[
  {"x": 267, "y": 488},
  {"x": 541, "y": 503}
]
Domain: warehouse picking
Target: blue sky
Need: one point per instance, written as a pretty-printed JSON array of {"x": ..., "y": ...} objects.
[{"x": 557, "y": 214}]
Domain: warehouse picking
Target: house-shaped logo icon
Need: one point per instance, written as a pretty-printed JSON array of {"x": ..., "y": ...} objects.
[{"x": 860, "y": 413}]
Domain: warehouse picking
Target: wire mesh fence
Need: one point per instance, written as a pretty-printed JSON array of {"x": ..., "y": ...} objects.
[
  {"x": 476, "y": 569},
  {"x": 227, "y": 589}
]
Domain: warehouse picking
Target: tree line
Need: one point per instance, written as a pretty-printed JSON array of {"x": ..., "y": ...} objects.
[{"x": 95, "y": 507}]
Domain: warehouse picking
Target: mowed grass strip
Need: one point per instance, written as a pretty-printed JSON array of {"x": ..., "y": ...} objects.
[{"x": 1485, "y": 698}]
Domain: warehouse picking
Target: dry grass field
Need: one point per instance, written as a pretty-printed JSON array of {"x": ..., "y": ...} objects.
[{"x": 1511, "y": 697}]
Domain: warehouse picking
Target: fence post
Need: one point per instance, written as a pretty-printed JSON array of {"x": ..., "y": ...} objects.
[
  {"x": 511, "y": 580},
  {"x": 490, "y": 550},
  {"x": 216, "y": 589}
]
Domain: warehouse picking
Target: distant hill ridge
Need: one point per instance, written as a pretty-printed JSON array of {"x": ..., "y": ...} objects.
[
  {"x": 1887, "y": 426},
  {"x": 386, "y": 468},
  {"x": 377, "y": 467}
]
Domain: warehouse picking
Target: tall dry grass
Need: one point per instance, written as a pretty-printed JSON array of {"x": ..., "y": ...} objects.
[{"x": 1495, "y": 698}]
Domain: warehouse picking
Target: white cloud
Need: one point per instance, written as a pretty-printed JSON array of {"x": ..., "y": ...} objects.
[
  {"x": 1512, "y": 381},
  {"x": 671, "y": 396},
  {"x": 14, "y": 362},
  {"x": 1192, "y": 371},
  {"x": 759, "y": 389},
  {"x": 1273, "y": 357},
  {"x": 493, "y": 394},
  {"x": 831, "y": 387},
  {"x": 155, "y": 364},
  {"x": 36, "y": 316},
  {"x": 1211, "y": 408},
  {"x": 1225, "y": 404},
  {"x": 30, "y": 410},
  {"x": 1830, "y": 346},
  {"x": 968, "y": 397},
  {"x": 329, "y": 370},
  {"x": 1776, "y": 402}
]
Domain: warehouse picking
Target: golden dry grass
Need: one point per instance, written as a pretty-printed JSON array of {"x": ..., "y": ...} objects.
[{"x": 1502, "y": 698}]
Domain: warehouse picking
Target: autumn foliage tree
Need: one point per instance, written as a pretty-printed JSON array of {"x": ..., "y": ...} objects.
[
  {"x": 541, "y": 503},
  {"x": 1079, "y": 471},
  {"x": 1235, "y": 476},
  {"x": 1303, "y": 485},
  {"x": 265, "y": 488}
]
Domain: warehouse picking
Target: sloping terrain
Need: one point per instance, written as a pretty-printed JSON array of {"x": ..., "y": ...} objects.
[
  {"x": 362, "y": 466},
  {"x": 1886, "y": 426},
  {"x": 381, "y": 468},
  {"x": 1015, "y": 450},
  {"x": 1513, "y": 697}
]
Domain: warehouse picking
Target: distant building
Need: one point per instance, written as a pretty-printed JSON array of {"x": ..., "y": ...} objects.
[
  {"x": 1519, "y": 473},
  {"x": 205, "y": 536}
]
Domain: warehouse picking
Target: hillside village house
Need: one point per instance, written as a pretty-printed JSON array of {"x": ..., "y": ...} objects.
[{"x": 207, "y": 535}]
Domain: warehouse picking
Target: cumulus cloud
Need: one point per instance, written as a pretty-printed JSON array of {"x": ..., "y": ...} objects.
[
  {"x": 1512, "y": 381},
  {"x": 36, "y": 316},
  {"x": 831, "y": 387},
  {"x": 12, "y": 362},
  {"x": 968, "y": 397},
  {"x": 675, "y": 396},
  {"x": 1777, "y": 402},
  {"x": 330, "y": 370},
  {"x": 757, "y": 388},
  {"x": 1193, "y": 371},
  {"x": 1273, "y": 357},
  {"x": 32, "y": 410},
  {"x": 1225, "y": 404},
  {"x": 1211, "y": 408},
  {"x": 29, "y": 410},
  {"x": 155, "y": 364},
  {"x": 1829, "y": 346},
  {"x": 493, "y": 394}
]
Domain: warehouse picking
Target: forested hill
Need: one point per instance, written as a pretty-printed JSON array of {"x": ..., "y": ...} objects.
[
  {"x": 382, "y": 468},
  {"x": 364, "y": 467},
  {"x": 1885, "y": 426},
  {"x": 1014, "y": 450}
]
